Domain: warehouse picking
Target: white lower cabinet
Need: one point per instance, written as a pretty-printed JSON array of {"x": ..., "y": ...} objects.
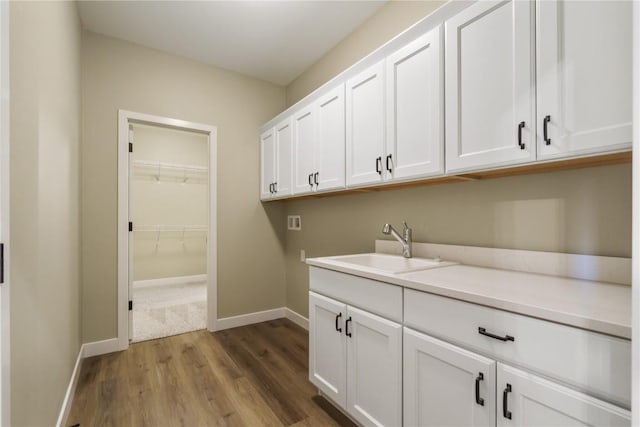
[
  {"x": 528, "y": 400},
  {"x": 355, "y": 359},
  {"x": 445, "y": 385}
]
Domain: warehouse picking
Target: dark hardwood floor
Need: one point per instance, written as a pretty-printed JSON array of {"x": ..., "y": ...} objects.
[{"x": 249, "y": 376}]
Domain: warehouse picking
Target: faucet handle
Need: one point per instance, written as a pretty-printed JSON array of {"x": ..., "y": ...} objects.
[{"x": 406, "y": 227}]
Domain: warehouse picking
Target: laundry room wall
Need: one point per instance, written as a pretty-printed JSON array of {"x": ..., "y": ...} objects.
[{"x": 122, "y": 75}]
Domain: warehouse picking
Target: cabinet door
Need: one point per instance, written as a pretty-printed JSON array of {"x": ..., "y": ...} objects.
[
  {"x": 365, "y": 126},
  {"x": 527, "y": 400},
  {"x": 267, "y": 163},
  {"x": 414, "y": 144},
  {"x": 374, "y": 369},
  {"x": 330, "y": 151},
  {"x": 283, "y": 134},
  {"x": 445, "y": 385},
  {"x": 327, "y": 347},
  {"x": 583, "y": 76},
  {"x": 304, "y": 140},
  {"x": 489, "y": 86}
]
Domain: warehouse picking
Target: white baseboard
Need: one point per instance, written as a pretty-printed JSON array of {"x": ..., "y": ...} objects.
[
  {"x": 97, "y": 348},
  {"x": 178, "y": 280},
  {"x": 262, "y": 316},
  {"x": 250, "y": 318},
  {"x": 296, "y": 318},
  {"x": 71, "y": 389}
]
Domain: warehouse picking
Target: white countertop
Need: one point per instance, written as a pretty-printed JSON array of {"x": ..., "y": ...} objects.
[{"x": 596, "y": 306}]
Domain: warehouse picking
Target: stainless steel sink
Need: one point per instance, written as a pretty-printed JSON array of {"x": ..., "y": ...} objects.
[{"x": 392, "y": 264}]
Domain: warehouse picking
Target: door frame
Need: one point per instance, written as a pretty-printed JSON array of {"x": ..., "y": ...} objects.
[
  {"x": 635, "y": 227},
  {"x": 5, "y": 351},
  {"x": 124, "y": 119}
]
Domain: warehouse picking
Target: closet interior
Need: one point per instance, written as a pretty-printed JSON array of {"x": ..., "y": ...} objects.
[{"x": 168, "y": 248}]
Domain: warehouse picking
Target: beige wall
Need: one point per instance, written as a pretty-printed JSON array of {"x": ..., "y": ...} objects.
[
  {"x": 585, "y": 211},
  {"x": 120, "y": 75},
  {"x": 45, "y": 220},
  {"x": 169, "y": 197},
  {"x": 393, "y": 18}
]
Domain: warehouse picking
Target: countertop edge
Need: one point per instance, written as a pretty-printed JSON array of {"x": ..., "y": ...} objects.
[{"x": 595, "y": 325}]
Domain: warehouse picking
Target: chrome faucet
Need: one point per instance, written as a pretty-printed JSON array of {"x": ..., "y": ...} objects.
[{"x": 406, "y": 240}]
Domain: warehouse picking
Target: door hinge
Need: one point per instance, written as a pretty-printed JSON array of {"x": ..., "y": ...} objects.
[
  {"x": 1, "y": 262},
  {"x": 131, "y": 147},
  {"x": 130, "y": 305},
  {"x": 130, "y": 226}
]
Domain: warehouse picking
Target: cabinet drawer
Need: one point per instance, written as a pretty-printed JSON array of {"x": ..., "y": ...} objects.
[
  {"x": 380, "y": 298},
  {"x": 597, "y": 363}
]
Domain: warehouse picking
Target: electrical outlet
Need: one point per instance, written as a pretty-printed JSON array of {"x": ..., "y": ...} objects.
[
  {"x": 294, "y": 222},
  {"x": 303, "y": 256}
]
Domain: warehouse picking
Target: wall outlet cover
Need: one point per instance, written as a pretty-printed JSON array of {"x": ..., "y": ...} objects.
[{"x": 294, "y": 222}]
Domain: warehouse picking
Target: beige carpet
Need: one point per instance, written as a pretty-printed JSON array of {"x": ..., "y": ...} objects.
[{"x": 162, "y": 311}]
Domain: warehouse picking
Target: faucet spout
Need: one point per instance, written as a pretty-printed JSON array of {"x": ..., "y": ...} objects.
[{"x": 404, "y": 240}]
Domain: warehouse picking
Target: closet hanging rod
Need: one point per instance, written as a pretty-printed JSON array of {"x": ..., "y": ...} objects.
[{"x": 156, "y": 165}]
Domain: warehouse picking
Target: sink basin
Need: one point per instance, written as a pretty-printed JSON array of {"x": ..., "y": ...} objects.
[{"x": 393, "y": 264}]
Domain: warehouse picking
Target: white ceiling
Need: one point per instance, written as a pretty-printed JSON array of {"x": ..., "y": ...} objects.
[{"x": 271, "y": 40}]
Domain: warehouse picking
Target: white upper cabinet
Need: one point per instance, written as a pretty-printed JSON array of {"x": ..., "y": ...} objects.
[
  {"x": 275, "y": 161},
  {"x": 267, "y": 164},
  {"x": 414, "y": 144},
  {"x": 330, "y": 147},
  {"x": 319, "y": 140},
  {"x": 304, "y": 136},
  {"x": 490, "y": 112},
  {"x": 283, "y": 138},
  {"x": 583, "y": 77},
  {"x": 365, "y": 126}
]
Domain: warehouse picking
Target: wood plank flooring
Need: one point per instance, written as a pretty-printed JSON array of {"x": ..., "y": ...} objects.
[{"x": 249, "y": 376}]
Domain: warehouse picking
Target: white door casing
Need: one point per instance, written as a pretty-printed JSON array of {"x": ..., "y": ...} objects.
[{"x": 124, "y": 119}]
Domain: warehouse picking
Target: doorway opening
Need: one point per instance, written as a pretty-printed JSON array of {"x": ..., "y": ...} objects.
[
  {"x": 167, "y": 227},
  {"x": 169, "y": 210}
]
